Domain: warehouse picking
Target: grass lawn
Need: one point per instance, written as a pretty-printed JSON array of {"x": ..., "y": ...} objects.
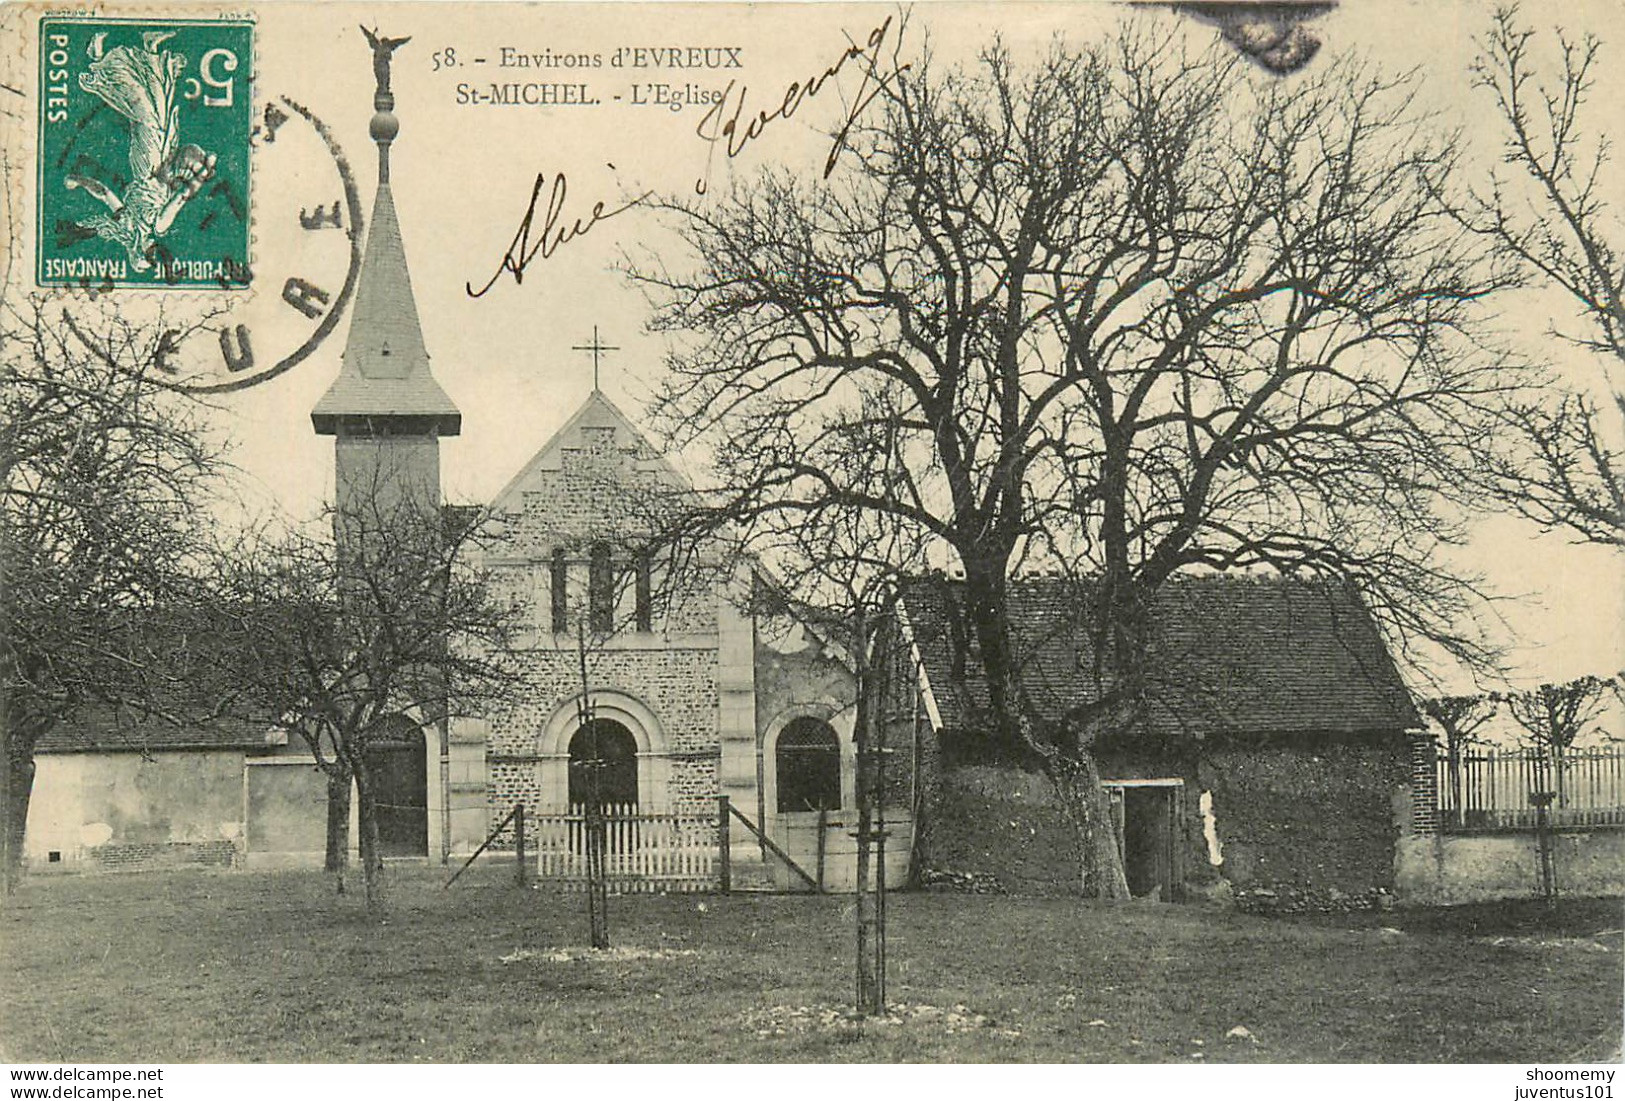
[{"x": 234, "y": 967}]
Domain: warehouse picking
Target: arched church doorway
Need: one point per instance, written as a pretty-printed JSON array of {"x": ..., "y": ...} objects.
[
  {"x": 605, "y": 751},
  {"x": 398, "y": 764}
]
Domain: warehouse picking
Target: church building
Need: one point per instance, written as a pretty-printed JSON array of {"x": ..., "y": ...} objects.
[
  {"x": 648, "y": 687},
  {"x": 654, "y": 686},
  {"x": 1281, "y": 756}
]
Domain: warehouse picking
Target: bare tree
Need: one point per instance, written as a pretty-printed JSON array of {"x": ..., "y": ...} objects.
[
  {"x": 619, "y": 564},
  {"x": 1555, "y": 716},
  {"x": 334, "y": 637},
  {"x": 103, "y": 471},
  {"x": 1123, "y": 312},
  {"x": 1553, "y": 220},
  {"x": 842, "y": 574}
]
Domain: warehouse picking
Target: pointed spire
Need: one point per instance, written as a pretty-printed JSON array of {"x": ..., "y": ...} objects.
[{"x": 385, "y": 370}]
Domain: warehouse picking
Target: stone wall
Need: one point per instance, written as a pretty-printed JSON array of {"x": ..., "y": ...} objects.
[
  {"x": 137, "y": 806},
  {"x": 678, "y": 685},
  {"x": 1444, "y": 869},
  {"x": 598, "y": 481},
  {"x": 1310, "y": 826},
  {"x": 997, "y": 825}
]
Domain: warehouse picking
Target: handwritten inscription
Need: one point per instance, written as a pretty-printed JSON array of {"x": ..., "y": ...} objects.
[
  {"x": 557, "y": 229},
  {"x": 731, "y": 124}
]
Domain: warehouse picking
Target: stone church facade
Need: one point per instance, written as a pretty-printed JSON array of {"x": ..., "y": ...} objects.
[
  {"x": 645, "y": 686},
  {"x": 692, "y": 694}
]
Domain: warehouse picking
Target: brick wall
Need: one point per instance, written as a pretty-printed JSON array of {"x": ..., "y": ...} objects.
[
  {"x": 140, "y": 857},
  {"x": 1424, "y": 808}
]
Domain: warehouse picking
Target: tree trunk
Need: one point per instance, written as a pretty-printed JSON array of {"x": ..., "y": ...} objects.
[
  {"x": 372, "y": 859},
  {"x": 19, "y": 780},
  {"x": 871, "y": 961},
  {"x": 1090, "y": 811},
  {"x": 1065, "y": 758},
  {"x": 337, "y": 861}
]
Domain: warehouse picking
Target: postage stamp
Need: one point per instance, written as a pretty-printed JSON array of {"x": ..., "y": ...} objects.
[{"x": 144, "y": 152}]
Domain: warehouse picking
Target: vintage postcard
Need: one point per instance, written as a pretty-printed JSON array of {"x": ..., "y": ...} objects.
[{"x": 768, "y": 532}]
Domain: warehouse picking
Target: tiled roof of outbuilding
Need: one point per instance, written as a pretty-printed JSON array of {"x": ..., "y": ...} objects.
[
  {"x": 104, "y": 730},
  {"x": 1227, "y": 655}
]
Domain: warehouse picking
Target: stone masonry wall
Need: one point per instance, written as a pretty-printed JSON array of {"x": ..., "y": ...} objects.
[
  {"x": 678, "y": 686},
  {"x": 599, "y": 481},
  {"x": 1310, "y": 826}
]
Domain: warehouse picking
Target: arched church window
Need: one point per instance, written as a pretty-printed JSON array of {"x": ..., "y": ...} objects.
[
  {"x": 560, "y": 599},
  {"x": 807, "y": 763},
  {"x": 601, "y": 590},
  {"x": 645, "y": 593}
]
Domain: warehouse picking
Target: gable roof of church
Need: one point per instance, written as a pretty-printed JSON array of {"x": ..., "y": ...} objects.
[
  {"x": 1227, "y": 656},
  {"x": 385, "y": 368},
  {"x": 596, "y": 412}
]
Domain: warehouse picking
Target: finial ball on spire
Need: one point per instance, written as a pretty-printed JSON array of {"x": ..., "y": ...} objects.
[{"x": 384, "y": 126}]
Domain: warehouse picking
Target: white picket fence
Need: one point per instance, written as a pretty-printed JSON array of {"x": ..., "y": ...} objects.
[{"x": 643, "y": 851}]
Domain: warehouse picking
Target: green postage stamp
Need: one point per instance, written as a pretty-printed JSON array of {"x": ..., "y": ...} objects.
[{"x": 144, "y": 152}]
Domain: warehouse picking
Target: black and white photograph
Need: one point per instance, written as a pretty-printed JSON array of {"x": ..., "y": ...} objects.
[{"x": 764, "y": 533}]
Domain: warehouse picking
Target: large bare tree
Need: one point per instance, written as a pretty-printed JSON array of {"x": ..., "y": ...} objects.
[
  {"x": 1123, "y": 310},
  {"x": 103, "y": 474},
  {"x": 1553, "y": 218}
]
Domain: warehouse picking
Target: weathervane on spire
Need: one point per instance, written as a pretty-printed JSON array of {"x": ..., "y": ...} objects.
[
  {"x": 381, "y": 50},
  {"x": 384, "y": 123}
]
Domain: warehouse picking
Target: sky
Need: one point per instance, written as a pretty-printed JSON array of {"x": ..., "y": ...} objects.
[{"x": 463, "y": 173}]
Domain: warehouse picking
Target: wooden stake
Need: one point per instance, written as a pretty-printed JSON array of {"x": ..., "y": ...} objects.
[{"x": 724, "y": 850}]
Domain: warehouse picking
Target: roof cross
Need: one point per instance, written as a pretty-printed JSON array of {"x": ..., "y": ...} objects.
[{"x": 597, "y": 349}]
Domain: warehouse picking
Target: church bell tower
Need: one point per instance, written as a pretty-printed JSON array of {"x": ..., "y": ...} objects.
[{"x": 385, "y": 410}]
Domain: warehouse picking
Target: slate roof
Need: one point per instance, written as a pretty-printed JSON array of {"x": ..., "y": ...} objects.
[
  {"x": 1228, "y": 656},
  {"x": 385, "y": 369}
]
